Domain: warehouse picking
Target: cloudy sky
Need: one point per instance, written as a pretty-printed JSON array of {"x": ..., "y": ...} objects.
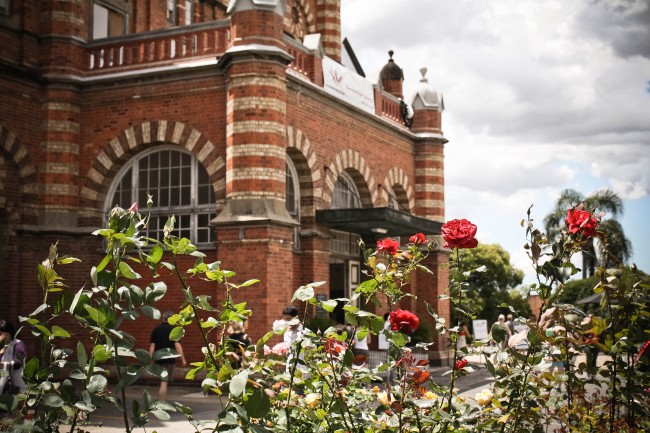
[{"x": 539, "y": 95}]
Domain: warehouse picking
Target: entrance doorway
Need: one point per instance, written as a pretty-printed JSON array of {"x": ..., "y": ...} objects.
[{"x": 344, "y": 279}]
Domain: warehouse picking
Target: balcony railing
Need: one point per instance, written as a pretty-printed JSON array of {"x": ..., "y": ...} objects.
[{"x": 158, "y": 48}]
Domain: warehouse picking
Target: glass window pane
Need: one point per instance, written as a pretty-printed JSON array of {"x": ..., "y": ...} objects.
[{"x": 167, "y": 176}]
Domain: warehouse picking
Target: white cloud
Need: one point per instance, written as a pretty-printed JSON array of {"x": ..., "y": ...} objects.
[{"x": 539, "y": 96}]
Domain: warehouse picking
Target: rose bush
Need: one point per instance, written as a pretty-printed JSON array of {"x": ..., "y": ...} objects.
[{"x": 321, "y": 386}]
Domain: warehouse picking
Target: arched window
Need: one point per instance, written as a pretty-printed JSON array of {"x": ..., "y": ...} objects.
[
  {"x": 345, "y": 194},
  {"x": 179, "y": 185},
  {"x": 292, "y": 194}
]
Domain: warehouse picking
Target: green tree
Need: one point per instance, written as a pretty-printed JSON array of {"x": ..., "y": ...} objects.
[
  {"x": 616, "y": 248},
  {"x": 494, "y": 284}
]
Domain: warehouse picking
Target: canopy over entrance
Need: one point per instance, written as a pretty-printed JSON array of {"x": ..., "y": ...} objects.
[{"x": 376, "y": 222}]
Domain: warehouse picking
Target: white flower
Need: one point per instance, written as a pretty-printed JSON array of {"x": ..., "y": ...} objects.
[
  {"x": 279, "y": 326},
  {"x": 484, "y": 397},
  {"x": 312, "y": 399},
  {"x": 381, "y": 267}
]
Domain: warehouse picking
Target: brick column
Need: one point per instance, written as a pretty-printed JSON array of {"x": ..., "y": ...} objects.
[
  {"x": 254, "y": 229},
  {"x": 328, "y": 24},
  {"x": 63, "y": 27}
]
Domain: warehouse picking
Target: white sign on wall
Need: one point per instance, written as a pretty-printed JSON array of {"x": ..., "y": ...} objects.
[
  {"x": 348, "y": 85},
  {"x": 480, "y": 329}
]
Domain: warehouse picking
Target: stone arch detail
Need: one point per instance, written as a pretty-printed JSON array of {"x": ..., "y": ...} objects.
[
  {"x": 350, "y": 159},
  {"x": 397, "y": 176},
  {"x": 307, "y": 168},
  {"x": 129, "y": 141},
  {"x": 16, "y": 152}
]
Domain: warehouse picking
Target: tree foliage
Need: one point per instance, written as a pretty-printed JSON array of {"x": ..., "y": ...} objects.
[{"x": 494, "y": 284}]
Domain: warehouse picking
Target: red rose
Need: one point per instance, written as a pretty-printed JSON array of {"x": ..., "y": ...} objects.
[
  {"x": 417, "y": 238},
  {"x": 388, "y": 245},
  {"x": 403, "y": 320},
  {"x": 581, "y": 221},
  {"x": 459, "y": 234},
  {"x": 461, "y": 363}
]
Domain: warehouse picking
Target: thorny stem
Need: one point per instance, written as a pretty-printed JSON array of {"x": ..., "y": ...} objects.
[
  {"x": 612, "y": 408},
  {"x": 454, "y": 371}
]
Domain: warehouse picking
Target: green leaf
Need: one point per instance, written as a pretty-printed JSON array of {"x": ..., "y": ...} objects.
[
  {"x": 258, "y": 404},
  {"x": 155, "y": 291},
  {"x": 39, "y": 309},
  {"x": 143, "y": 356},
  {"x": 100, "y": 353},
  {"x": 60, "y": 332},
  {"x": 160, "y": 414},
  {"x": 303, "y": 293},
  {"x": 53, "y": 400},
  {"x": 127, "y": 272},
  {"x": 96, "y": 384},
  {"x": 248, "y": 283},
  {"x": 150, "y": 311},
  {"x": 238, "y": 384},
  {"x": 82, "y": 357},
  {"x": 31, "y": 368},
  {"x": 155, "y": 255},
  {"x": 96, "y": 315},
  {"x": 100, "y": 267},
  {"x": 329, "y": 305},
  {"x": 177, "y": 333}
]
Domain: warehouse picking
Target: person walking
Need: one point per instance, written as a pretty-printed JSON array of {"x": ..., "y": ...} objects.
[
  {"x": 160, "y": 340},
  {"x": 13, "y": 354}
]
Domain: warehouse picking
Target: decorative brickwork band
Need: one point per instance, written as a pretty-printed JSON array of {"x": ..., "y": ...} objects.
[
  {"x": 395, "y": 181},
  {"x": 351, "y": 161},
  {"x": 120, "y": 148},
  {"x": 429, "y": 181},
  {"x": 304, "y": 159},
  {"x": 13, "y": 151}
]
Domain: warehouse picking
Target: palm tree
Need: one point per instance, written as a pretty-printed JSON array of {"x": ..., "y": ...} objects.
[{"x": 618, "y": 247}]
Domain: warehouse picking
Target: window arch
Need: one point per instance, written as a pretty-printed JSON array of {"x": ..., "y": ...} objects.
[
  {"x": 346, "y": 195},
  {"x": 179, "y": 185},
  {"x": 292, "y": 194}
]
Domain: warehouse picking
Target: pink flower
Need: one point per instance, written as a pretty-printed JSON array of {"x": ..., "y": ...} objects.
[
  {"x": 134, "y": 208},
  {"x": 280, "y": 349},
  {"x": 267, "y": 350},
  {"x": 418, "y": 238},
  {"x": 581, "y": 221},
  {"x": 388, "y": 245},
  {"x": 404, "y": 320},
  {"x": 459, "y": 234}
]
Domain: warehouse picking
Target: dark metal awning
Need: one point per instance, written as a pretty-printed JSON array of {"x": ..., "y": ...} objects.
[{"x": 378, "y": 222}]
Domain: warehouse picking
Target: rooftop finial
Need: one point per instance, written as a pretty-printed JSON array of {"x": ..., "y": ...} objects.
[
  {"x": 390, "y": 53},
  {"x": 423, "y": 71}
]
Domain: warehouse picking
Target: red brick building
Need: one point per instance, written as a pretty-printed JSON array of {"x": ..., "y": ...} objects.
[{"x": 247, "y": 119}]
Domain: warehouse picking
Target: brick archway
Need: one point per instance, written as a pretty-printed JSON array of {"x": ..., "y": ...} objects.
[
  {"x": 131, "y": 140},
  {"x": 307, "y": 166},
  {"x": 17, "y": 153},
  {"x": 396, "y": 176},
  {"x": 350, "y": 159}
]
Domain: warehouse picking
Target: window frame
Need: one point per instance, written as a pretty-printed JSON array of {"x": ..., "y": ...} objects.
[
  {"x": 5, "y": 8},
  {"x": 350, "y": 190},
  {"x": 291, "y": 175},
  {"x": 171, "y": 11},
  {"x": 110, "y": 8},
  {"x": 194, "y": 210}
]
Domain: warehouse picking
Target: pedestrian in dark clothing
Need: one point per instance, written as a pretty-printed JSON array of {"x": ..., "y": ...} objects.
[
  {"x": 160, "y": 340},
  {"x": 238, "y": 341}
]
